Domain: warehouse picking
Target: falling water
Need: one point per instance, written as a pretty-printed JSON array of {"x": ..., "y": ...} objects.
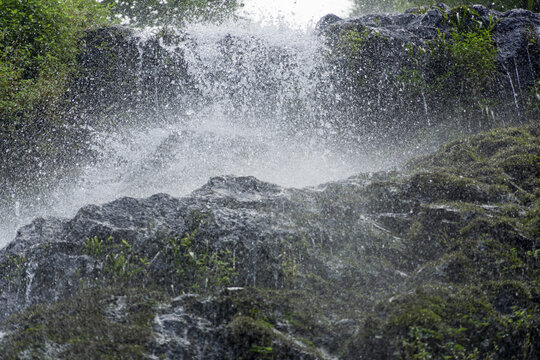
[{"x": 257, "y": 112}]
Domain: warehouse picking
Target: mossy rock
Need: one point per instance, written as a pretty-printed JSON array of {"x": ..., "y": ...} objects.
[
  {"x": 508, "y": 157},
  {"x": 444, "y": 322},
  {"x": 434, "y": 186},
  {"x": 258, "y": 339},
  {"x": 98, "y": 323}
]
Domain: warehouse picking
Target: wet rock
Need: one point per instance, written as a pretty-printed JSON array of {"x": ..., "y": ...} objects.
[
  {"x": 325, "y": 21},
  {"x": 242, "y": 267},
  {"x": 419, "y": 59},
  {"x": 125, "y": 73}
]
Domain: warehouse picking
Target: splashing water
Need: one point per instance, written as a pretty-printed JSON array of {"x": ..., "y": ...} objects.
[{"x": 257, "y": 111}]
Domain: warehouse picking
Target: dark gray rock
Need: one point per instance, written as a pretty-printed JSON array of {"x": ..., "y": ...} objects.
[
  {"x": 248, "y": 217},
  {"x": 125, "y": 73},
  {"x": 395, "y": 73},
  {"x": 510, "y": 32},
  {"x": 307, "y": 262},
  {"x": 266, "y": 227},
  {"x": 325, "y": 21}
]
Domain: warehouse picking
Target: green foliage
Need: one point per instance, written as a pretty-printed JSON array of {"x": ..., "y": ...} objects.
[
  {"x": 38, "y": 47},
  {"x": 455, "y": 68},
  {"x": 265, "y": 352},
  {"x": 353, "y": 41},
  {"x": 474, "y": 292},
  {"x": 291, "y": 256},
  {"x": 473, "y": 56},
  {"x": 201, "y": 268},
  {"x": 164, "y": 12},
  {"x": 121, "y": 261},
  {"x": 94, "y": 246},
  {"x": 501, "y": 5},
  {"x": 13, "y": 268},
  {"x": 39, "y": 44},
  {"x": 83, "y": 328},
  {"x": 458, "y": 322}
]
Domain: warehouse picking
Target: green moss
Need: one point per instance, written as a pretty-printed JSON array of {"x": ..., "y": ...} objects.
[
  {"x": 506, "y": 157},
  {"x": 439, "y": 322},
  {"x": 457, "y": 279},
  {"x": 13, "y": 268},
  {"x": 83, "y": 327},
  {"x": 257, "y": 339},
  {"x": 352, "y": 41},
  {"x": 446, "y": 186},
  {"x": 472, "y": 246}
]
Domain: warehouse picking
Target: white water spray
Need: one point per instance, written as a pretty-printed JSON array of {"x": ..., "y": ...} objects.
[{"x": 256, "y": 114}]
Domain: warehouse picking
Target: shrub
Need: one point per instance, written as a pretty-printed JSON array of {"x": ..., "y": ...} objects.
[
  {"x": 38, "y": 48},
  {"x": 198, "y": 268},
  {"x": 39, "y": 44},
  {"x": 456, "y": 68}
]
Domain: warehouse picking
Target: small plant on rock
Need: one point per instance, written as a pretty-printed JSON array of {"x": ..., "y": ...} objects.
[
  {"x": 201, "y": 269},
  {"x": 120, "y": 260}
]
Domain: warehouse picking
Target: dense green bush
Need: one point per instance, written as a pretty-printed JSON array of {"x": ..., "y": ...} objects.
[
  {"x": 457, "y": 70},
  {"x": 38, "y": 48},
  {"x": 467, "y": 58},
  {"x": 39, "y": 45},
  {"x": 452, "y": 76}
]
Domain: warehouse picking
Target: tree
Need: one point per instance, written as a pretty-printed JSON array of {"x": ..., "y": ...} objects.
[
  {"x": 38, "y": 48},
  {"x": 39, "y": 44}
]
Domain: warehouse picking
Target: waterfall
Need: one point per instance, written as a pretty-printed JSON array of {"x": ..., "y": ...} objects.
[{"x": 255, "y": 109}]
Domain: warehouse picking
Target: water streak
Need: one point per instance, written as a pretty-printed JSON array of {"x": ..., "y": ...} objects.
[{"x": 256, "y": 111}]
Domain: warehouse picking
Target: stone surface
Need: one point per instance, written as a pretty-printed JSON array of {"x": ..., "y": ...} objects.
[{"x": 247, "y": 268}]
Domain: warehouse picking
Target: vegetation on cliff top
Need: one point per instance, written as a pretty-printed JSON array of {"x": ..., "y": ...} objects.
[
  {"x": 452, "y": 79},
  {"x": 39, "y": 45},
  {"x": 38, "y": 49}
]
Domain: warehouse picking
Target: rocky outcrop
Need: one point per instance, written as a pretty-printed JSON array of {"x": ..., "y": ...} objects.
[
  {"x": 431, "y": 66},
  {"x": 440, "y": 260},
  {"x": 124, "y": 72},
  {"x": 434, "y": 260},
  {"x": 515, "y": 33},
  {"x": 385, "y": 65}
]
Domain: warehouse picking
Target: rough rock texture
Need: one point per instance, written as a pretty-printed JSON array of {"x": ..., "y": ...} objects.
[
  {"x": 441, "y": 260},
  {"x": 511, "y": 33},
  {"x": 127, "y": 73},
  {"x": 124, "y": 72},
  {"x": 465, "y": 67}
]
